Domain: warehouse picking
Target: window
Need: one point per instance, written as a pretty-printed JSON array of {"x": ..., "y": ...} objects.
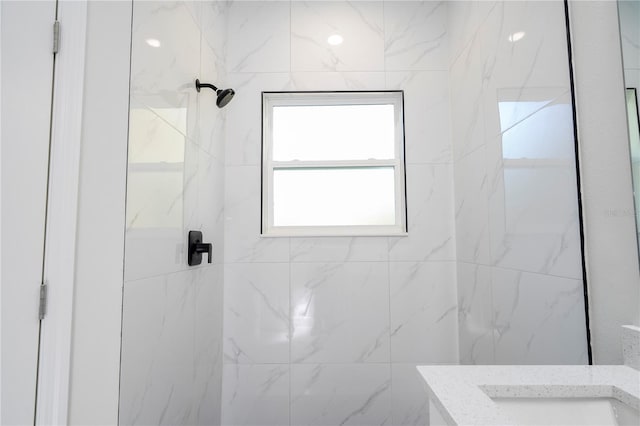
[{"x": 333, "y": 163}]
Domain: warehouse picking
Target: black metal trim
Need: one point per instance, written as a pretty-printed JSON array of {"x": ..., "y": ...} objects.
[
  {"x": 262, "y": 212},
  {"x": 585, "y": 287},
  {"x": 404, "y": 166},
  {"x": 635, "y": 96},
  {"x": 636, "y": 191}
]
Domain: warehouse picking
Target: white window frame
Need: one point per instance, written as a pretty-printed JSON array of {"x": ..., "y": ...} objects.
[{"x": 382, "y": 97}]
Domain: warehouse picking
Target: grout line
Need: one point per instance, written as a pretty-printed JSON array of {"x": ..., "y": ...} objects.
[{"x": 519, "y": 270}]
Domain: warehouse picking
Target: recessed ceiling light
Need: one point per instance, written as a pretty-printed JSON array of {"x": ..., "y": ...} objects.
[
  {"x": 516, "y": 36},
  {"x": 153, "y": 42},
  {"x": 335, "y": 39}
]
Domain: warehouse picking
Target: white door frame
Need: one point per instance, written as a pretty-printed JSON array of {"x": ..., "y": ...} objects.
[{"x": 52, "y": 401}]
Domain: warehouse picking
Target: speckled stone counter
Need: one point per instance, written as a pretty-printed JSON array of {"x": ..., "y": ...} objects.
[
  {"x": 631, "y": 346},
  {"x": 462, "y": 393}
]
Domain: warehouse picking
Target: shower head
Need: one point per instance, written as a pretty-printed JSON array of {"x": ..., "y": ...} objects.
[{"x": 224, "y": 95}]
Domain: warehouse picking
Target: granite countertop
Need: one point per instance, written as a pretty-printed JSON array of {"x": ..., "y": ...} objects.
[{"x": 463, "y": 393}]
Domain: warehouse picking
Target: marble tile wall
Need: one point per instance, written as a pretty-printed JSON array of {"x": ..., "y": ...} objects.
[
  {"x": 329, "y": 330},
  {"x": 172, "y": 314},
  {"x": 518, "y": 245},
  {"x": 322, "y": 331}
]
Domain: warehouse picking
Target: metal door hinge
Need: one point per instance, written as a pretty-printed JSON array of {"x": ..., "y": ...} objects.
[
  {"x": 42, "y": 310},
  {"x": 56, "y": 36}
]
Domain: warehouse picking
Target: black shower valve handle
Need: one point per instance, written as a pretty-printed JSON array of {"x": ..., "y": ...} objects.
[
  {"x": 197, "y": 247},
  {"x": 204, "y": 248}
]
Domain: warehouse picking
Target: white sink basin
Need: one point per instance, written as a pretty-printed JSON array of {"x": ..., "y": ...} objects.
[{"x": 569, "y": 411}]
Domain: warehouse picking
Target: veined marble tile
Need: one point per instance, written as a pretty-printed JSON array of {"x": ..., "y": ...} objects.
[
  {"x": 524, "y": 44},
  {"x": 163, "y": 76},
  {"x": 340, "y": 394},
  {"x": 471, "y": 209},
  {"x": 256, "y": 325},
  {"x": 255, "y": 394},
  {"x": 531, "y": 166},
  {"x": 211, "y": 119},
  {"x": 346, "y": 80},
  {"x": 152, "y": 139},
  {"x": 208, "y": 293},
  {"x": 475, "y": 314},
  {"x": 195, "y": 9},
  {"x": 339, "y": 249},
  {"x": 539, "y": 319},
  {"x": 158, "y": 364},
  {"x": 258, "y": 36},
  {"x": 466, "y": 80},
  {"x": 429, "y": 215},
  {"x": 214, "y": 33},
  {"x": 464, "y": 20},
  {"x": 427, "y": 127},
  {"x": 210, "y": 213},
  {"x": 171, "y": 108},
  {"x": 161, "y": 197},
  {"x": 243, "y": 242},
  {"x": 339, "y": 312},
  {"x": 190, "y": 193},
  {"x": 423, "y": 312},
  {"x": 529, "y": 235},
  {"x": 360, "y": 24},
  {"x": 409, "y": 399},
  {"x": 525, "y": 53},
  {"x": 244, "y": 115},
  {"x": 416, "y": 35}
]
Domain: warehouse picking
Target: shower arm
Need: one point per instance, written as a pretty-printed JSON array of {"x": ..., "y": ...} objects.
[{"x": 210, "y": 86}]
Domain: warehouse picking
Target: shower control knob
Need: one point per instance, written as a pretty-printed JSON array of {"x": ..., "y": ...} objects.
[{"x": 197, "y": 247}]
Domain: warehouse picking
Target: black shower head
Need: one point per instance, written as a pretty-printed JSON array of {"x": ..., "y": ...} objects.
[{"x": 224, "y": 95}]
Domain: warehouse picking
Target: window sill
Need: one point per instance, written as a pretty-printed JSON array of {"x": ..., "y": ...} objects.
[{"x": 331, "y": 232}]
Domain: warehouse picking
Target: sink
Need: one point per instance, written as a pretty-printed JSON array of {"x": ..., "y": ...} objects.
[
  {"x": 491, "y": 395},
  {"x": 569, "y": 411}
]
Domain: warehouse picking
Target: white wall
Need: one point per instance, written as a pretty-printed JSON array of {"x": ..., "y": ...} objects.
[
  {"x": 95, "y": 357},
  {"x": 520, "y": 288},
  {"x": 172, "y": 313},
  {"x": 329, "y": 330},
  {"x": 611, "y": 248},
  {"x": 26, "y": 55}
]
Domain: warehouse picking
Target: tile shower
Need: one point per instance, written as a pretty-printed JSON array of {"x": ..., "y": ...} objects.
[{"x": 327, "y": 331}]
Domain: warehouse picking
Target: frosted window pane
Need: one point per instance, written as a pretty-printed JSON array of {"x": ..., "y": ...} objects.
[
  {"x": 546, "y": 133},
  {"x": 334, "y": 197},
  {"x": 336, "y": 132},
  {"x": 513, "y": 112}
]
